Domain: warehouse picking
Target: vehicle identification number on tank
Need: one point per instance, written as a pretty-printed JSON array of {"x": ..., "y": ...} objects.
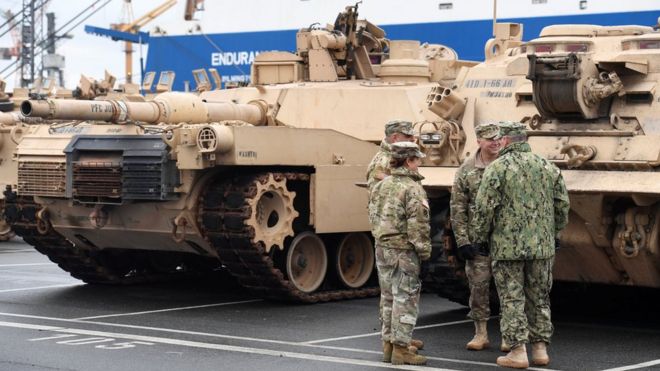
[
  {"x": 69, "y": 130},
  {"x": 98, "y": 108},
  {"x": 489, "y": 83},
  {"x": 496, "y": 94},
  {"x": 247, "y": 154}
]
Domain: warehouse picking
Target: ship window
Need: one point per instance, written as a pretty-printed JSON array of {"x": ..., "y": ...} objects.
[
  {"x": 583, "y": 4},
  {"x": 627, "y": 45},
  {"x": 539, "y": 1},
  {"x": 443, "y": 6},
  {"x": 544, "y": 48},
  {"x": 650, "y": 44},
  {"x": 575, "y": 48}
]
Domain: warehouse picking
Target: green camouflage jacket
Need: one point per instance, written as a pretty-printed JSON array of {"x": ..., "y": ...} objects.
[
  {"x": 399, "y": 213},
  {"x": 463, "y": 197},
  {"x": 522, "y": 205},
  {"x": 379, "y": 164}
]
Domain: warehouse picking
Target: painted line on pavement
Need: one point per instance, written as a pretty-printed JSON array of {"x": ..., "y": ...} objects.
[
  {"x": 25, "y": 264},
  {"x": 228, "y": 348},
  {"x": 634, "y": 367},
  {"x": 41, "y": 287},
  {"x": 378, "y": 333},
  {"x": 15, "y": 251},
  {"x": 169, "y": 309},
  {"x": 233, "y": 337}
]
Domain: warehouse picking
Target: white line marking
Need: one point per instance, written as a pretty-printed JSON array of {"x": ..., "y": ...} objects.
[
  {"x": 633, "y": 367},
  {"x": 53, "y": 337},
  {"x": 228, "y": 348},
  {"x": 26, "y": 264},
  {"x": 170, "y": 309},
  {"x": 232, "y": 337},
  {"x": 378, "y": 333},
  {"x": 14, "y": 251},
  {"x": 41, "y": 287}
]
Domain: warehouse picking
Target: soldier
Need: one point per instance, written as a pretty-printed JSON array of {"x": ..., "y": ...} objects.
[
  {"x": 395, "y": 131},
  {"x": 522, "y": 205},
  {"x": 477, "y": 264},
  {"x": 399, "y": 216}
]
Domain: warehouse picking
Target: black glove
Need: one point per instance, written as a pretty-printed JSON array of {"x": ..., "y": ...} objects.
[
  {"x": 468, "y": 252},
  {"x": 424, "y": 269},
  {"x": 557, "y": 244}
]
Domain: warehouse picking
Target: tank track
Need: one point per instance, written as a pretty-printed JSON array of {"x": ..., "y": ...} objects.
[
  {"x": 82, "y": 263},
  {"x": 224, "y": 210}
]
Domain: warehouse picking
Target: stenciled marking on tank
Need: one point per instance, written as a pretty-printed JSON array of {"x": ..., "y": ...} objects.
[
  {"x": 496, "y": 94},
  {"x": 69, "y": 130},
  {"x": 489, "y": 83},
  {"x": 247, "y": 154}
]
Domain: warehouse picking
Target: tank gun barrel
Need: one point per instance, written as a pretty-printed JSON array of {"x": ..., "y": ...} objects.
[{"x": 168, "y": 108}]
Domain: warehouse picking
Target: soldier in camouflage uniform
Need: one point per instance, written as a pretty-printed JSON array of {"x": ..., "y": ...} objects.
[
  {"x": 395, "y": 131},
  {"x": 399, "y": 216},
  {"x": 477, "y": 263},
  {"x": 522, "y": 205}
]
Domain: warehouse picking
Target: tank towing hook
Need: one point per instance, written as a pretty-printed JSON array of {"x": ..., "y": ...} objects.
[
  {"x": 179, "y": 225},
  {"x": 43, "y": 224}
]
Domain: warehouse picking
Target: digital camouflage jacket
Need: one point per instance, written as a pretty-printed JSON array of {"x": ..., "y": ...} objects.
[
  {"x": 379, "y": 164},
  {"x": 522, "y": 205},
  {"x": 399, "y": 213},
  {"x": 463, "y": 198}
]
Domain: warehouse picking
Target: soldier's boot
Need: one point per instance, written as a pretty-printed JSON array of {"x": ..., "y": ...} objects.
[
  {"x": 417, "y": 343},
  {"x": 516, "y": 358},
  {"x": 480, "y": 339},
  {"x": 540, "y": 354},
  {"x": 504, "y": 347},
  {"x": 387, "y": 351},
  {"x": 403, "y": 355}
]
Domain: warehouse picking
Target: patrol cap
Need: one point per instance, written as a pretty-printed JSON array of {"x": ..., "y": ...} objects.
[
  {"x": 487, "y": 131},
  {"x": 406, "y": 150},
  {"x": 511, "y": 129},
  {"x": 399, "y": 126}
]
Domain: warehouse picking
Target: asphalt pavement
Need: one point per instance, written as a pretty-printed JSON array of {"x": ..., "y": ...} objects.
[{"x": 51, "y": 321}]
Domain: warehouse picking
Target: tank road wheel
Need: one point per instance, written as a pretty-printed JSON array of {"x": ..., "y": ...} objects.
[
  {"x": 355, "y": 260},
  {"x": 272, "y": 212},
  {"x": 306, "y": 262},
  {"x": 5, "y": 231}
]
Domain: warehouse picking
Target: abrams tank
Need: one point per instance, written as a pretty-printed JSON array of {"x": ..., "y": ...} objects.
[
  {"x": 588, "y": 95},
  {"x": 260, "y": 179}
]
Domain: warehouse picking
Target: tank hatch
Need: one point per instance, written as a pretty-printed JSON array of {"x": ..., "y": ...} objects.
[
  {"x": 103, "y": 169},
  {"x": 591, "y": 30}
]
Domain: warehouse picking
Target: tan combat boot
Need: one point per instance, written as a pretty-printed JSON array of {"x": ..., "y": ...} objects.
[
  {"x": 417, "y": 343},
  {"x": 402, "y": 355},
  {"x": 480, "y": 339},
  {"x": 540, "y": 354},
  {"x": 516, "y": 358},
  {"x": 387, "y": 351},
  {"x": 504, "y": 347}
]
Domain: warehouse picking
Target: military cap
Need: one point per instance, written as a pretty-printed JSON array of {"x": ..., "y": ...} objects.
[
  {"x": 399, "y": 126},
  {"x": 511, "y": 129},
  {"x": 406, "y": 150},
  {"x": 487, "y": 131}
]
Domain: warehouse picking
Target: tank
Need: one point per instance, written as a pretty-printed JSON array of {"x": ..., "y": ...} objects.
[
  {"x": 260, "y": 180},
  {"x": 588, "y": 96}
]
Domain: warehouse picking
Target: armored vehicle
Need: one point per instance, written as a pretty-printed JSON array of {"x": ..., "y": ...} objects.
[
  {"x": 588, "y": 95},
  {"x": 260, "y": 179}
]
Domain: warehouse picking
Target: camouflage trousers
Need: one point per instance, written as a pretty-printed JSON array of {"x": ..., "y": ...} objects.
[
  {"x": 478, "y": 273},
  {"x": 400, "y": 286},
  {"x": 524, "y": 288}
]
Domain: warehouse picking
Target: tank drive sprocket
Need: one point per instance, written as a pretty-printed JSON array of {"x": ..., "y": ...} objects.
[{"x": 228, "y": 220}]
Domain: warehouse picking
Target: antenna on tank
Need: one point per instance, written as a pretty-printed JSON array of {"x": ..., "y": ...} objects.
[{"x": 494, "y": 16}]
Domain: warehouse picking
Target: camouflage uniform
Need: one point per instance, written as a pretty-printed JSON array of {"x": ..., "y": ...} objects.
[
  {"x": 380, "y": 164},
  {"x": 462, "y": 205},
  {"x": 522, "y": 205},
  {"x": 399, "y": 216}
]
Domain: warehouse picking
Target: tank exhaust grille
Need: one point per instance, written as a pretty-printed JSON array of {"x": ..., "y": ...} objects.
[{"x": 42, "y": 179}]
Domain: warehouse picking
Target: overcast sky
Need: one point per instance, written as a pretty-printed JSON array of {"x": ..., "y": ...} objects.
[{"x": 89, "y": 54}]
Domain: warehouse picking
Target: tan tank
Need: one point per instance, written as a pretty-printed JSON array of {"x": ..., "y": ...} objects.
[
  {"x": 588, "y": 95},
  {"x": 260, "y": 179}
]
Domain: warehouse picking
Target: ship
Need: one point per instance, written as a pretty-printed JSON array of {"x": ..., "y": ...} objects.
[{"x": 228, "y": 35}]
